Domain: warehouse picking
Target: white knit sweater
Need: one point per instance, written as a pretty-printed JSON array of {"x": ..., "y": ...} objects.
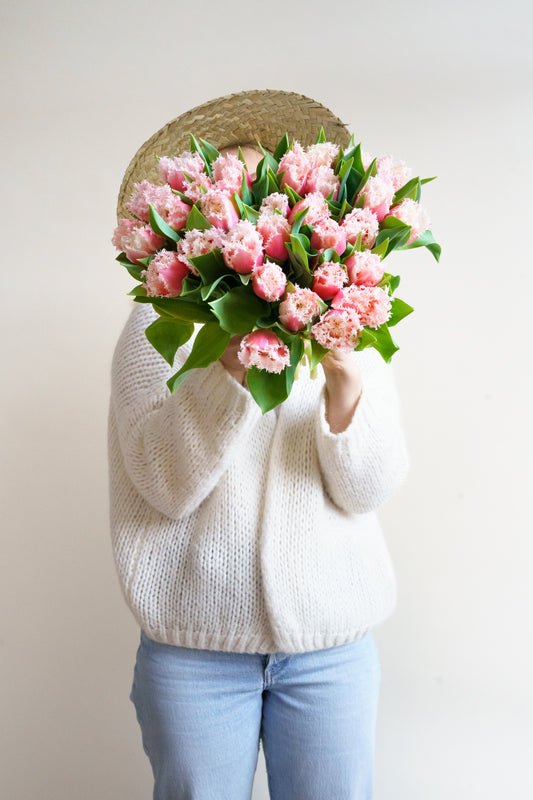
[{"x": 233, "y": 530}]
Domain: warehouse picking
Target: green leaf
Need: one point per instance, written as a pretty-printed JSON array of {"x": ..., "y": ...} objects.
[
  {"x": 300, "y": 266},
  {"x": 381, "y": 248},
  {"x": 269, "y": 389},
  {"x": 166, "y": 335},
  {"x": 369, "y": 173},
  {"x": 307, "y": 231},
  {"x": 410, "y": 190},
  {"x": 338, "y": 210},
  {"x": 260, "y": 188},
  {"x": 191, "y": 289},
  {"x": 281, "y": 148},
  {"x": 390, "y": 281},
  {"x": 210, "y": 343},
  {"x": 396, "y": 231},
  {"x": 123, "y": 259},
  {"x": 321, "y": 136},
  {"x": 425, "y": 239},
  {"x": 196, "y": 220},
  {"x": 384, "y": 344},
  {"x": 316, "y": 353},
  {"x": 210, "y": 152},
  {"x": 210, "y": 265},
  {"x": 399, "y": 310},
  {"x": 251, "y": 214},
  {"x": 357, "y": 159},
  {"x": 350, "y": 250},
  {"x": 330, "y": 254},
  {"x": 238, "y": 310},
  {"x": 197, "y": 148},
  {"x": 183, "y": 196},
  {"x": 344, "y": 173},
  {"x": 207, "y": 291},
  {"x": 298, "y": 220},
  {"x": 394, "y": 283},
  {"x": 273, "y": 183},
  {"x": 366, "y": 339},
  {"x": 184, "y": 310},
  {"x": 247, "y": 196},
  {"x": 159, "y": 226},
  {"x": 268, "y": 159},
  {"x": 138, "y": 291},
  {"x": 345, "y": 168},
  {"x": 135, "y": 271},
  {"x": 353, "y": 180},
  {"x": 294, "y": 196}
]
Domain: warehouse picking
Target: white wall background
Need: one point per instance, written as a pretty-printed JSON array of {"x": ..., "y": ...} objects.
[{"x": 445, "y": 86}]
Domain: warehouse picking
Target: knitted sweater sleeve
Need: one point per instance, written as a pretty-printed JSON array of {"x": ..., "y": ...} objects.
[
  {"x": 364, "y": 465},
  {"x": 174, "y": 447}
]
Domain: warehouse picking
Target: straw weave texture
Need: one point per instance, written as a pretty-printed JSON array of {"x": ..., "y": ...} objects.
[{"x": 241, "y": 118}]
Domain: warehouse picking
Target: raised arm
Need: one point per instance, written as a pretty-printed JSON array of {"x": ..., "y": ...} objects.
[
  {"x": 360, "y": 440},
  {"x": 174, "y": 447}
]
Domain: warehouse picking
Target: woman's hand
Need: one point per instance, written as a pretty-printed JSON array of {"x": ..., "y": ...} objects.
[
  {"x": 231, "y": 362},
  {"x": 343, "y": 388}
]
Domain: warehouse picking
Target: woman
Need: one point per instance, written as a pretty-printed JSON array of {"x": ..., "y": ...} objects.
[{"x": 248, "y": 548}]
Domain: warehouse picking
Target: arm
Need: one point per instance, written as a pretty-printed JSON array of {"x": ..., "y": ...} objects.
[
  {"x": 175, "y": 447},
  {"x": 360, "y": 440}
]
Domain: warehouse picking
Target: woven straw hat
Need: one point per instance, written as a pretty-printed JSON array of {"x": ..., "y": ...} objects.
[{"x": 240, "y": 118}]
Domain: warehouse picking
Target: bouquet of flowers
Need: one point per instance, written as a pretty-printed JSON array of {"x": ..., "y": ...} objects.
[{"x": 292, "y": 260}]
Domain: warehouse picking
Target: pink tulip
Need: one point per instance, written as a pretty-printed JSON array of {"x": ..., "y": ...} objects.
[
  {"x": 328, "y": 233},
  {"x": 323, "y": 153},
  {"x": 364, "y": 268},
  {"x": 198, "y": 243},
  {"x": 136, "y": 240},
  {"x": 328, "y": 278},
  {"x": 317, "y": 209},
  {"x": 299, "y": 308},
  {"x": 338, "y": 329},
  {"x": 269, "y": 281},
  {"x": 412, "y": 213},
  {"x": 378, "y": 193},
  {"x": 398, "y": 173},
  {"x": 361, "y": 221},
  {"x": 372, "y": 303},
  {"x": 275, "y": 231},
  {"x": 263, "y": 349},
  {"x": 165, "y": 274},
  {"x": 295, "y": 166},
  {"x": 275, "y": 202},
  {"x": 198, "y": 187},
  {"x": 218, "y": 209},
  {"x": 243, "y": 247},
  {"x": 322, "y": 179},
  {"x": 172, "y": 169},
  {"x": 227, "y": 173},
  {"x": 167, "y": 204}
]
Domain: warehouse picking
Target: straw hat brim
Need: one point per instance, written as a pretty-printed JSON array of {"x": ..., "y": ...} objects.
[{"x": 263, "y": 115}]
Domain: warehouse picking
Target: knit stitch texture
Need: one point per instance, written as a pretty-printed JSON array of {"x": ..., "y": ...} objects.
[{"x": 237, "y": 531}]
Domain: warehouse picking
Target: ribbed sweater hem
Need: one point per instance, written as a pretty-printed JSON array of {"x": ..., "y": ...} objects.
[{"x": 244, "y": 643}]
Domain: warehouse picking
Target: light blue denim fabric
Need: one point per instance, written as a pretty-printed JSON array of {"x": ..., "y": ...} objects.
[{"x": 203, "y": 714}]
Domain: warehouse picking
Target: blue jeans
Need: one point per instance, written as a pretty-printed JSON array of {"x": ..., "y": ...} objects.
[{"x": 203, "y": 714}]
